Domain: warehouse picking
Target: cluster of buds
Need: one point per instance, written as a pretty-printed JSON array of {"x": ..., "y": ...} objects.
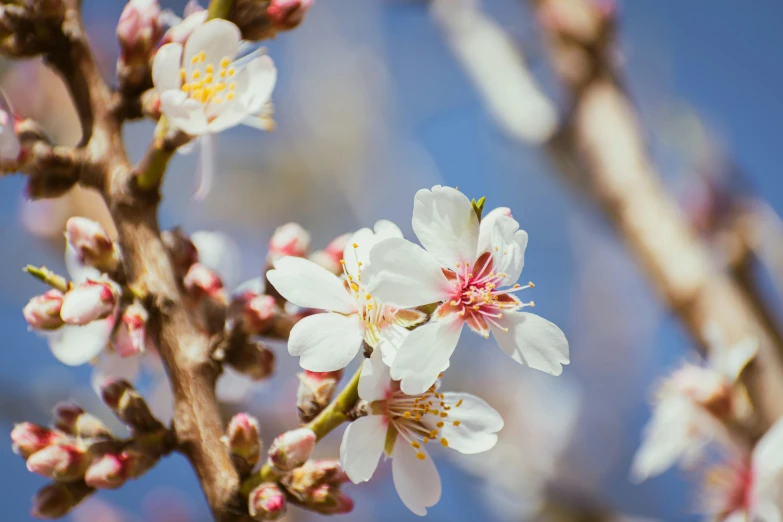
[
  {"x": 139, "y": 30},
  {"x": 92, "y": 245},
  {"x": 267, "y": 502},
  {"x": 288, "y": 240},
  {"x": 80, "y": 454},
  {"x": 206, "y": 297},
  {"x": 315, "y": 391},
  {"x": 262, "y": 19},
  {"x": 317, "y": 486}
]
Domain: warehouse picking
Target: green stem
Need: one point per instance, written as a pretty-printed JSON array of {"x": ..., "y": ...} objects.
[
  {"x": 57, "y": 282},
  {"x": 331, "y": 417},
  {"x": 219, "y": 9},
  {"x": 149, "y": 173}
]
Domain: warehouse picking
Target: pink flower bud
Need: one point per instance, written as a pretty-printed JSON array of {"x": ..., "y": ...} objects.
[
  {"x": 200, "y": 282},
  {"x": 287, "y": 14},
  {"x": 242, "y": 440},
  {"x": 90, "y": 301},
  {"x": 267, "y": 502},
  {"x": 92, "y": 244},
  {"x": 71, "y": 419},
  {"x": 328, "y": 500},
  {"x": 289, "y": 240},
  {"x": 66, "y": 462},
  {"x": 108, "y": 472},
  {"x": 28, "y": 438},
  {"x": 315, "y": 391},
  {"x": 258, "y": 314},
  {"x": 330, "y": 258},
  {"x": 43, "y": 311},
  {"x": 56, "y": 500},
  {"x": 131, "y": 333},
  {"x": 292, "y": 449},
  {"x": 139, "y": 28}
]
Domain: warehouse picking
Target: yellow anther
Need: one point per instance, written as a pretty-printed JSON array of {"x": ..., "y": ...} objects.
[
  {"x": 230, "y": 96},
  {"x": 368, "y": 297},
  {"x": 440, "y": 375},
  {"x": 219, "y": 86},
  {"x": 433, "y": 434},
  {"x": 407, "y": 415},
  {"x": 202, "y": 56},
  {"x": 456, "y": 423},
  {"x": 232, "y": 71},
  {"x": 425, "y": 440},
  {"x": 417, "y": 417},
  {"x": 444, "y": 415},
  {"x": 439, "y": 424},
  {"x": 342, "y": 261},
  {"x": 420, "y": 455},
  {"x": 497, "y": 248},
  {"x": 355, "y": 245},
  {"x": 208, "y": 78},
  {"x": 232, "y": 86},
  {"x": 530, "y": 284},
  {"x": 183, "y": 74},
  {"x": 195, "y": 74},
  {"x": 457, "y": 264},
  {"x": 415, "y": 444},
  {"x": 194, "y": 60},
  {"x": 224, "y": 63},
  {"x": 209, "y": 68},
  {"x": 222, "y": 73},
  {"x": 205, "y": 95},
  {"x": 353, "y": 285},
  {"x": 444, "y": 442},
  {"x": 216, "y": 99},
  {"x": 459, "y": 403},
  {"x": 196, "y": 94},
  {"x": 435, "y": 412},
  {"x": 186, "y": 87}
]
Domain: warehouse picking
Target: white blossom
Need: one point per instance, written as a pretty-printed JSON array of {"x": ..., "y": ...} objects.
[
  {"x": 469, "y": 268},
  {"x": 401, "y": 426}
]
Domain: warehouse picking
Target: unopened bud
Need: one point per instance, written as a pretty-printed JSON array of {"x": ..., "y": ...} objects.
[
  {"x": 328, "y": 500},
  {"x": 243, "y": 441},
  {"x": 90, "y": 301},
  {"x": 132, "y": 330},
  {"x": 181, "y": 250},
  {"x": 315, "y": 391},
  {"x": 208, "y": 300},
  {"x": 330, "y": 257},
  {"x": 292, "y": 449},
  {"x": 267, "y": 502},
  {"x": 56, "y": 500},
  {"x": 129, "y": 406},
  {"x": 288, "y": 14},
  {"x": 43, "y": 311},
  {"x": 92, "y": 244},
  {"x": 28, "y": 438},
  {"x": 258, "y": 314},
  {"x": 252, "y": 359},
  {"x": 330, "y": 471},
  {"x": 139, "y": 28},
  {"x": 289, "y": 240},
  {"x": 303, "y": 480},
  {"x": 71, "y": 419},
  {"x": 108, "y": 472},
  {"x": 200, "y": 281},
  {"x": 66, "y": 462}
]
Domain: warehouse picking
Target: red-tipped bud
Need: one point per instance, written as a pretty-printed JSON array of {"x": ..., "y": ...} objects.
[
  {"x": 71, "y": 419},
  {"x": 315, "y": 391},
  {"x": 258, "y": 314},
  {"x": 242, "y": 439},
  {"x": 28, "y": 438},
  {"x": 129, "y": 406},
  {"x": 292, "y": 449},
  {"x": 289, "y": 240},
  {"x": 200, "y": 282},
  {"x": 267, "y": 502},
  {"x": 328, "y": 500},
  {"x": 92, "y": 244},
  {"x": 43, "y": 311},
  {"x": 56, "y": 500},
  {"x": 252, "y": 359},
  {"x": 90, "y": 301},
  {"x": 330, "y": 258},
  {"x": 108, "y": 472},
  {"x": 139, "y": 28},
  {"x": 132, "y": 331},
  {"x": 66, "y": 462},
  {"x": 287, "y": 14}
]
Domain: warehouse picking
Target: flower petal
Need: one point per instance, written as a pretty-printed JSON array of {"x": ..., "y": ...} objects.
[
  {"x": 486, "y": 226},
  {"x": 362, "y": 446},
  {"x": 508, "y": 249},
  {"x": 217, "y": 38},
  {"x": 262, "y": 76},
  {"x": 417, "y": 481},
  {"x": 478, "y": 423},
  {"x": 405, "y": 275},
  {"x": 230, "y": 113},
  {"x": 325, "y": 342},
  {"x": 446, "y": 225},
  {"x": 768, "y": 459},
  {"x": 77, "y": 345},
  {"x": 392, "y": 337},
  {"x": 184, "y": 114},
  {"x": 166, "y": 67},
  {"x": 534, "y": 341},
  {"x": 78, "y": 271},
  {"x": 424, "y": 354},
  {"x": 365, "y": 239},
  {"x": 374, "y": 379},
  {"x": 310, "y": 285}
]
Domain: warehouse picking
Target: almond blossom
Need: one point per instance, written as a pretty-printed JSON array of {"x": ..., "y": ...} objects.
[
  {"x": 470, "y": 269},
  {"x": 327, "y": 342},
  {"x": 401, "y": 426}
]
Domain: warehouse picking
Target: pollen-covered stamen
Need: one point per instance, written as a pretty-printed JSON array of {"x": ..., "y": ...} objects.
[{"x": 207, "y": 83}]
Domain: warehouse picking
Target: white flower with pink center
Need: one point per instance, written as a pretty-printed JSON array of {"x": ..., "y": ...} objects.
[
  {"x": 470, "y": 269},
  {"x": 401, "y": 426},
  {"x": 328, "y": 341}
]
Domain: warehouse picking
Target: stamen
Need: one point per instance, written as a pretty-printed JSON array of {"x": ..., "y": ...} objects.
[
  {"x": 444, "y": 442},
  {"x": 420, "y": 455},
  {"x": 456, "y": 423}
]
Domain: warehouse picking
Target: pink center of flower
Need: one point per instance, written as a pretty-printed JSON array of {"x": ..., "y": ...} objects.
[{"x": 477, "y": 298}]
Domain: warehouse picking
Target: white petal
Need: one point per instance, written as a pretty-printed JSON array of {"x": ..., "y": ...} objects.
[
  {"x": 184, "y": 113},
  {"x": 403, "y": 274},
  {"x": 392, "y": 337},
  {"x": 362, "y": 446},
  {"x": 206, "y": 166},
  {"x": 110, "y": 364},
  {"x": 230, "y": 113},
  {"x": 417, "y": 481},
  {"x": 731, "y": 360},
  {"x": 739, "y": 515},
  {"x": 78, "y": 271},
  {"x": 217, "y": 38},
  {"x": 374, "y": 380},
  {"x": 326, "y": 342},
  {"x": 534, "y": 341},
  {"x": 310, "y": 285},
  {"x": 446, "y": 225},
  {"x": 385, "y": 229},
  {"x": 424, "y": 354},
  {"x": 166, "y": 67},
  {"x": 508, "y": 249},
  {"x": 365, "y": 239},
  {"x": 77, "y": 345},
  {"x": 768, "y": 459},
  {"x": 486, "y": 226},
  {"x": 766, "y": 510},
  {"x": 479, "y": 423},
  {"x": 262, "y": 76},
  {"x": 219, "y": 253}
]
